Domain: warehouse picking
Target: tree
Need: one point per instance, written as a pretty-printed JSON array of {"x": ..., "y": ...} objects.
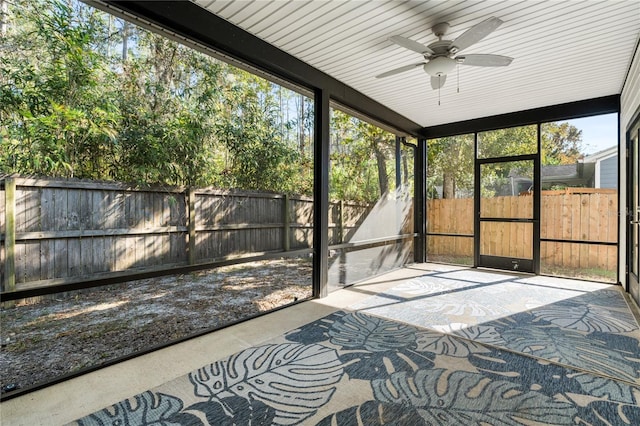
[
  {"x": 561, "y": 143},
  {"x": 450, "y": 159},
  {"x": 360, "y": 157},
  {"x": 73, "y": 104},
  {"x": 57, "y": 116}
]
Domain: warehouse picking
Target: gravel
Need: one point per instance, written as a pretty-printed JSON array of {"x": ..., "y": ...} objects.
[{"x": 43, "y": 341}]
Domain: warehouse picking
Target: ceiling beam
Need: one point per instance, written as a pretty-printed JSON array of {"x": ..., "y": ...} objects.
[{"x": 567, "y": 111}]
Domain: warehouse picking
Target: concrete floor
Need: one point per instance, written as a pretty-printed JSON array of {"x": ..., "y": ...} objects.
[
  {"x": 75, "y": 398},
  {"x": 94, "y": 391}
]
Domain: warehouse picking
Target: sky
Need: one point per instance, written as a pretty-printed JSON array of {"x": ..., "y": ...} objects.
[{"x": 598, "y": 132}]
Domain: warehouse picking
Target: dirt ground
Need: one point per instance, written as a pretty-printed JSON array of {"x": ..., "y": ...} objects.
[{"x": 40, "y": 342}]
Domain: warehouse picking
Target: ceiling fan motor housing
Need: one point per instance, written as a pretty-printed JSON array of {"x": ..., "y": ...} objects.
[{"x": 440, "y": 65}]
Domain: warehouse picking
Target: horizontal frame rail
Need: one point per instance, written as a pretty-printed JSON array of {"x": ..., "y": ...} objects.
[
  {"x": 445, "y": 234},
  {"x": 509, "y": 219},
  {"x": 600, "y": 243},
  {"x": 373, "y": 242}
]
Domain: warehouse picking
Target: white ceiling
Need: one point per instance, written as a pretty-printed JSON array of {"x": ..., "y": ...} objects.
[{"x": 564, "y": 50}]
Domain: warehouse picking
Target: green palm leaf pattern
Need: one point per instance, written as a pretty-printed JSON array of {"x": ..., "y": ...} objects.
[
  {"x": 444, "y": 344},
  {"x": 464, "y": 398},
  {"x": 587, "y": 318},
  {"x": 571, "y": 348},
  {"x": 148, "y": 409},
  {"x": 294, "y": 379},
  {"x": 609, "y": 298},
  {"x": 608, "y": 389},
  {"x": 481, "y": 333},
  {"x": 373, "y": 413},
  {"x": 357, "y": 330}
]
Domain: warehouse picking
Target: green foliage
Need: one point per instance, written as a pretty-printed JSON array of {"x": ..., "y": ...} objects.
[
  {"x": 85, "y": 95},
  {"x": 56, "y": 119},
  {"x": 362, "y": 160},
  {"x": 561, "y": 143},
  {"x": 258, "y": 158},
  {"x": 451, "y": 162},
  {"x": 507, "y": 142}
]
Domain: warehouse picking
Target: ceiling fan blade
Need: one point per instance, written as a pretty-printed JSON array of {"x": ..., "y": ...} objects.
[
  {"x": 475, "y": 34},
  {"x": 484, "y": 60},
  {"x": 407, "y": 43},
  {"x": 399, "y": 70},
  {"x": 438, "y": 82}
]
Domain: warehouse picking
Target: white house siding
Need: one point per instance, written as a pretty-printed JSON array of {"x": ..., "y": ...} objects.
[
  {"x": 629, "y": 106},
  {"x": 608, "y": 173}
]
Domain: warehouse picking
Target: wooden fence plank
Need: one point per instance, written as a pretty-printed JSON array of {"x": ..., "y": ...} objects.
[
  {"x": 60, "y": 259},
  {"x": 100, "y": 255},
  {"x": 594, "y": 229},
  {"x": 574, "y": 219},
  {"x": 613, "y": 228},
  {"x": 9, "y": 282},
  {"x": 192, "y": 226},
  {"x": 2, "y": 231},
  {"x": 583, "y": 250},
  {"x": 603, "y": 219},
  {"x": 286, "y": 222},
  {"x": 86, "y": 256},
  {"x": 566, "y": 229}
]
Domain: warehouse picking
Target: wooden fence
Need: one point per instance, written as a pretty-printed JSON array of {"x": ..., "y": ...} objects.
[
  {"x": 578, "y": 214},
  {"x": 58, "y": 231}
]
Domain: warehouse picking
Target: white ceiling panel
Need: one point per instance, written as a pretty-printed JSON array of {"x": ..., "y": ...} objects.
[{"x": 564, "y": 50}]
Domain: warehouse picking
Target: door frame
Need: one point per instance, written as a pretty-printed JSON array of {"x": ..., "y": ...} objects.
[
  {"x": 632, "y": 216},
  {"x": 509, "y": 263}
]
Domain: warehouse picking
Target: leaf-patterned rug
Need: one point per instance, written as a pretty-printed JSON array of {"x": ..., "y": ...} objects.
[
  {"x": 351, "y": 368},
  {"x": 584, "y": 325}
]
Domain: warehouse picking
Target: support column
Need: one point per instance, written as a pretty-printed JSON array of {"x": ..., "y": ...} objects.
[
  {"x": 321, "y": 194},
  {"x": 420, "y": 203},
  {"x": 476, "y": 203},
  {"x": 537, "y": 202}
]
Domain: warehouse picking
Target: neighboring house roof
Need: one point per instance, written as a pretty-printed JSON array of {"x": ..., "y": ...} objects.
[
  {"x": 601, "y": 155},
  {"x": 561, "y": 171},
  {"x": 581, "y": 173},
  {"x": 576, "y": 174}
]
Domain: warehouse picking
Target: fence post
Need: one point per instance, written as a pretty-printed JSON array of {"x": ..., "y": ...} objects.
[
  {"x": 191, "y": 224},
  {"x": 340, "y": 222},
  {"x": 286, "y": 224},
  {"x": 10, "y": 235}
]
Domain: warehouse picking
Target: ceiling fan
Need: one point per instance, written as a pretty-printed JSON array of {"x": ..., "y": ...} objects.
[{"x": 441, "y": 56}]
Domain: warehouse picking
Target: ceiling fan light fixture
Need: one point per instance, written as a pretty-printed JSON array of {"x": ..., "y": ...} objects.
[
  {"x": 441, "y": 56},
  {"x": 440, "y": 65}
]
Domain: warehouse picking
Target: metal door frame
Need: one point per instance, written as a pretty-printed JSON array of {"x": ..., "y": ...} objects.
[
  {"x": 508, "y": 263},
  {"x": 632, "y": 218}
]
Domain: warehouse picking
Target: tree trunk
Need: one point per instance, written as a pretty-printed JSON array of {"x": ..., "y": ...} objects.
[
  {"x": 4, "y": 17},
  {"x": 405, "y": 170},
  {"x": 448, "y": 185},
  {"x": 383, "y": 179},
  {"x": 125, "y": 39},
  {"x": 301, "y": 143}
]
